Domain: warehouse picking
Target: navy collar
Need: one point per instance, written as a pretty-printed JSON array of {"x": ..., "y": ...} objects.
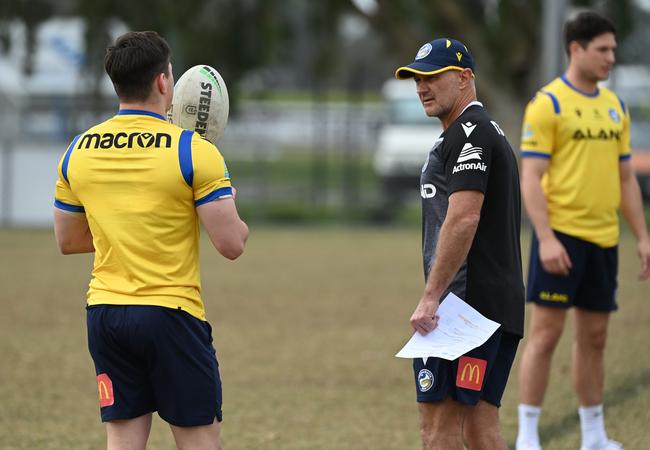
[
  {"x": 588, "y": 94},
  {"x": 139, "y": 112}
]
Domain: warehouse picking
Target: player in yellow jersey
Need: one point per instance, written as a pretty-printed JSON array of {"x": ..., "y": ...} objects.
[
  {"x": 576, "y": 175},
  {"x": 133, "y": 190}
]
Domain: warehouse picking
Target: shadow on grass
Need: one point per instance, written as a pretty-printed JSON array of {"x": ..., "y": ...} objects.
[{"x": 625, "y": 389}]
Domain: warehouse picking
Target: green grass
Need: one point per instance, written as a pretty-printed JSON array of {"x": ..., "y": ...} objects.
[{"x": 306, "y": 324}]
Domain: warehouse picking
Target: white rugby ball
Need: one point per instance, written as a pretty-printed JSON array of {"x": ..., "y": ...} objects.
[{"x": 201, "y": 102}]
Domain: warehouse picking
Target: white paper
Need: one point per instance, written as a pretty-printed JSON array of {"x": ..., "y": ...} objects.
[{"x": 460, "y": 329}]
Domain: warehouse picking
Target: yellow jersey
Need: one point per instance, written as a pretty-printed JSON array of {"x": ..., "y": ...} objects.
[
  {"x": 584, "y": 136},
  {"x": 138, "y": 180}
]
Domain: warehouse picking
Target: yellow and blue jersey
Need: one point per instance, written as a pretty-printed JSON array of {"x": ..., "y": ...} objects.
[
  {"x": 584, "y": 136},
  {"x": 138, "y": 180}
]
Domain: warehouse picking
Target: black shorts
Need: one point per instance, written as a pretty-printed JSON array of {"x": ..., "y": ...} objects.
[
  {"x": 591, "y": 283},
  {"x": 480, "y": 374},
  {"x": 151, "y": 358}
]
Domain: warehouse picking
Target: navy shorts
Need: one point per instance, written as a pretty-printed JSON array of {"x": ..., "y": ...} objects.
[
  {"x": 151, "y": 358},
  {"x": 591, "y": 282},
  {"x": 480, "y": 374}
]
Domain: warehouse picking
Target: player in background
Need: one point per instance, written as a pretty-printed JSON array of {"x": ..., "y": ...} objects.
[
  {"x": 576, "y": 175},
  {"x": 471, "y": 213},
  {"x": 133, "y": 190}
]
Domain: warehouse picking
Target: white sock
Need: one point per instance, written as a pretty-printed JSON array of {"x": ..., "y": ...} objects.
[
  {"x": 528, "y": 421},
  {"x": 592, "y": 426}
]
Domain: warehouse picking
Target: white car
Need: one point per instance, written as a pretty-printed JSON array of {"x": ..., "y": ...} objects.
[{"x": 404, "y": 141}]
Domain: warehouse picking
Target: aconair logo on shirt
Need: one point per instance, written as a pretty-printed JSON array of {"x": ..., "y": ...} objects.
[{"x": 469, "y": 153}]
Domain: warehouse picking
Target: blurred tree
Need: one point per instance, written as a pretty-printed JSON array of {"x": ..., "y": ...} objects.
[
  {"x": 634, "y": 49},
  {"x": 234, "y": 35},
  {"x": 503, "y": 35},
  {"x": 240, "y": 36},
  {"x": 31, "y": 13}
]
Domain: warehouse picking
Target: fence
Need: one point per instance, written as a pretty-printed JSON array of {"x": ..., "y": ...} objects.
[{"x": 289, "y": 160}]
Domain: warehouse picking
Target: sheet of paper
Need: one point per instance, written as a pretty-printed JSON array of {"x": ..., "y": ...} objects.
[{"x": 460, "y": 329}]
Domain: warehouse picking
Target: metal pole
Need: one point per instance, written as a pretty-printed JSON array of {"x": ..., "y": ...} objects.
[
  {"x": 351, "y": 152},
  {"x": 553, "y": 18},
  {"x": 11, "y": 110},
  {"x": 6, "y": 207}
]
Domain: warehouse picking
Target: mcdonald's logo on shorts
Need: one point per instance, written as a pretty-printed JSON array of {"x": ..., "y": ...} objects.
[
  {"x": 105, "y": 388},
  {"x": 471, "y": 372}
]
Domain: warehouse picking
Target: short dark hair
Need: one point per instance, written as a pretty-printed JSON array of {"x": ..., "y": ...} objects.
[
  {"x": 133, "y": 62},
  {"x": 585, "y": 27}
]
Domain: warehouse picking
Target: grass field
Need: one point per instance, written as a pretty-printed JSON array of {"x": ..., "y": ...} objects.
[{"x": 305, "y": 324}]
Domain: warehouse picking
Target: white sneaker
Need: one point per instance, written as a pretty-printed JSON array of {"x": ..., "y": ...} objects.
[
  {"x": 610, "y": 445},
  {"x": 527, "y": 445}
]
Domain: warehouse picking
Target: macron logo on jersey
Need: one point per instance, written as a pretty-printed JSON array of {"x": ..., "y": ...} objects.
[
  {"x": 469, "y": 152},
  {"x": 468, "y": 127},
  {"x": 122, "y": 139}
]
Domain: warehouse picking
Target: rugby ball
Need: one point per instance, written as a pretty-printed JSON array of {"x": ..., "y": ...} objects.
[{"x": 200, "y": 103}]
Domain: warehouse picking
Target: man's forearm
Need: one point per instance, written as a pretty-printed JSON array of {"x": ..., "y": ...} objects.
[
  {"x": 82, "y": 243},
  {"x": 72, "y": 233},
  {"x": 632, "y": 208},
  {"x": 536, "y": 207}
]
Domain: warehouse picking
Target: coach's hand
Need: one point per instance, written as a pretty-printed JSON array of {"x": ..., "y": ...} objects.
[
  {"x": 424, "y": 318},
  {"x": 554, "y": 257}
]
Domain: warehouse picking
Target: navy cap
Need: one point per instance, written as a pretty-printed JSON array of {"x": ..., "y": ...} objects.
[{"x": 438, "y": 56}]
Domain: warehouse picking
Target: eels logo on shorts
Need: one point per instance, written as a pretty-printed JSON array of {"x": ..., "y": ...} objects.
[{"x": 425, "y": 380}]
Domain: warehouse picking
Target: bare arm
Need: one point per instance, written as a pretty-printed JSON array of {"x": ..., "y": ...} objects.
[
  {"x": 456, "y": 237},
  {"x": 553, "y": 255},
  {"x": 227, "y": 231},
  {"x": 632, "y": 210},
  {"x": 72, "y": 232}
]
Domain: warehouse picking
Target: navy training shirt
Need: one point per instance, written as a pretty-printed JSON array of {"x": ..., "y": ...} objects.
[{"x": 474, "y": 154}]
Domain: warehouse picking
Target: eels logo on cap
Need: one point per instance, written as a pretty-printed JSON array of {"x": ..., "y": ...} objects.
[{"x": 424, "y": 51}]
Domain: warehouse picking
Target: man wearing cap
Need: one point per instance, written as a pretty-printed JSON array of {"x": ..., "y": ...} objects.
[{"x": 471, "y": 213}]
